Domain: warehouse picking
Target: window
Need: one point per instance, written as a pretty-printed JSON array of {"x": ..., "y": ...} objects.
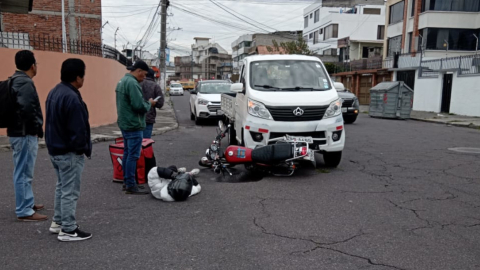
[
  {"x": 331, "y": 31},
  {"x": 365, "y": 52},
  {"x": 381, "y": 32},
  {"x": 315, "y": 37},
  {"x": 317, "y": 15},
  {"x": 330, "y": 52},
  {"x": 305, "y": 22},
  {"x": 320, "y": 31},
  {"x": 310, "y": 36},
  {"x": 410, "y": 36},
  {"x": 396, "y": 12},
  {"x": 305, "y": 38},
  {"x": 311, "y": 15},
  {"x": 455, "y": 39},
  {"x": 413, "y": 8},
  {"x": 449, "y": 5},
  {"x": 394, "y": 45},
  {"x": 372, "y": 11},
  {"x": 286, "y": 75}
]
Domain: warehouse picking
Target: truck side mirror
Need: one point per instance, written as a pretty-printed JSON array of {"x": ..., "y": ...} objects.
[{"x": 236, "y": 87}]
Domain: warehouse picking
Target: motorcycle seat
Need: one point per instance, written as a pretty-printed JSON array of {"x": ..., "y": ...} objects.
[{"x": 272, "y": 153}]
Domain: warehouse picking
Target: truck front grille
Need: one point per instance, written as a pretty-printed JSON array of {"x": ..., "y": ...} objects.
[{"x": 286, "y": 114}]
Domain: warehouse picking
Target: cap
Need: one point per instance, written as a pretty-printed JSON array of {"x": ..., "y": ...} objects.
[
  {"x": 139, "y": 65},
  {"x": 151, "y": 73}
]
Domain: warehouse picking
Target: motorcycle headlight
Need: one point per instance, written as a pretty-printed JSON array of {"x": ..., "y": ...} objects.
[
  {"x": 334, "y": 109},
  {"x": 202, "y": 101},
  {"x": 257, "y": 109},
  {"x": 214, "y": 147}
]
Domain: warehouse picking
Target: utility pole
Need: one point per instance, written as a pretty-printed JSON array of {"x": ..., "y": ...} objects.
[
  {"x": 64, "y": 33},
  {"x": 163, "y": 41},
  {"x": 115, "y": 39}
]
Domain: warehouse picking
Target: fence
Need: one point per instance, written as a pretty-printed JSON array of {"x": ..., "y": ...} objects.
[
  {"x": 356, "y": 65},
  {"x": 54, "y": 44},
  {"x": 465, "y": 65}
]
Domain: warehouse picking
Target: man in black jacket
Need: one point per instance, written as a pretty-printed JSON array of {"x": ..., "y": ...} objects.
[
  {"x": 68, "y": 142},
  {"x": 151, "y": 90},
  {"x": 24, "y": 132}
]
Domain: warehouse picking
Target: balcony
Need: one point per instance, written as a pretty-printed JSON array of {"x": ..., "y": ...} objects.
[
  {"x": 408, "y": 60},
  {"x": 357, "y": 65}
]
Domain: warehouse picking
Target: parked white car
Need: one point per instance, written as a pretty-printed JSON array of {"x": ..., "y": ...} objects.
[
  {"x": 286, "y": 94},
  {"x": 176, "y": 89},
  {"x": 205, "y": 100}
]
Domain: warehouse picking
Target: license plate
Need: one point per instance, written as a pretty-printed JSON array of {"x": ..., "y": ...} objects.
[
  {"x": 344, "y": 110},
  {"x": 300, "y": 139}
]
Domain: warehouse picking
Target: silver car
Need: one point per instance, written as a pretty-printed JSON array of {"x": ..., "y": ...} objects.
[{"x": 176, "y": 89}]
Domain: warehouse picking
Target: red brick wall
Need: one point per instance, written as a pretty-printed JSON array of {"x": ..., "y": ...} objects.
[{"x": 88, "y": 28}]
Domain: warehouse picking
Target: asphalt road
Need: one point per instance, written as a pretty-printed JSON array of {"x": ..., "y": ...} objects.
[{"x": 399, "y": 200}]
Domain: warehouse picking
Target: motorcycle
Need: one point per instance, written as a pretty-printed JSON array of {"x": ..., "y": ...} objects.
[{"x": 281, "y": 157}]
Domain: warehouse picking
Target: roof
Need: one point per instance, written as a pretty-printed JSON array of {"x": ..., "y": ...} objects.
[
  {"x": 16, "y": 6},
  {"x": 262, "y": 50}
]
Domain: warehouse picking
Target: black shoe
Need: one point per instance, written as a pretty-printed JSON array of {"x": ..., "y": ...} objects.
[
  {"x": 75, "y": 235},
  {"x": 136, "y": 191}
]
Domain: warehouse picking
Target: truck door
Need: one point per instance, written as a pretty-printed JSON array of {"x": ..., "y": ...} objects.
[{"x": 241, "y": 104}]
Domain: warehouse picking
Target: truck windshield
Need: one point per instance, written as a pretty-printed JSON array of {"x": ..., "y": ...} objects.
[
  {"x": 215, "y": 88},
  {"x": 288, "y": 75}
]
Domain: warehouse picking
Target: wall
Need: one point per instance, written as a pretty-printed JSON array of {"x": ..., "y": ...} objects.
[
  {"x": 102, "y": 76},
  {"x": 465, "y": 96},
  {"x": 428, "y": 94},
  {"x": 46, "y": 18}
]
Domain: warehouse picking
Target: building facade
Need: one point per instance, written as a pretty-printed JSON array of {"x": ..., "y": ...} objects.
[
  {"x": 212, "y": 58},
  {"x": 432, "y": 46},
  {"x": 83, "y": 20}
]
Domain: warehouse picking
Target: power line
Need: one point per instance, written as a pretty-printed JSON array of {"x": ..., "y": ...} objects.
[{"x": 226, "y": 10}]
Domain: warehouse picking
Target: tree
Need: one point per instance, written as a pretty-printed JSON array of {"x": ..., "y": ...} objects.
[{"x": 298, "y": 46}]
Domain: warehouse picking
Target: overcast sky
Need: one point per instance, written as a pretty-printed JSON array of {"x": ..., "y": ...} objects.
[{"x": 134, "y": 17}]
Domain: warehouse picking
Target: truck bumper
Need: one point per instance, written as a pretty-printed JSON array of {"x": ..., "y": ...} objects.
[{"x": 328, "y": 134}]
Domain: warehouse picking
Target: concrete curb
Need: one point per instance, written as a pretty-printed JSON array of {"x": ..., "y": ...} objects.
[{"x": 455, "y": 124}]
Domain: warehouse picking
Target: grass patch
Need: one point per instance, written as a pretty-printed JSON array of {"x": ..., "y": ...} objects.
[
  {"x": 323, "y": 171},
  {"x": 365, "y": 112}
]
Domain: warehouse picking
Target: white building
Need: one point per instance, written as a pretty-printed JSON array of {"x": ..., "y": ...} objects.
[
  {"x": 240, "y": 49},
  {"x": 436, "y": 42},
  {"x": 363, "y": 22},
  {"x": 203, "y": 48}
]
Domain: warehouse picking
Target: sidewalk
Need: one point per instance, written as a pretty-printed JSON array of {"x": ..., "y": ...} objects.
[
  {"x": 165, "y": 121},
  {"x": 441, "y": 118}
]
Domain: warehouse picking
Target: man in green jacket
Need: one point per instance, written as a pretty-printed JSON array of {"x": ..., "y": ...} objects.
[{"x": 131, "y": 111}]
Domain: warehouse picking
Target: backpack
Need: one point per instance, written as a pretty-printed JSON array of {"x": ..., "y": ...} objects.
[{"x": 7, "y": 103}]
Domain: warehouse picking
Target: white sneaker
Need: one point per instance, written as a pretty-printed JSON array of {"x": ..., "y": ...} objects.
[{"x": 55, "y": 228}]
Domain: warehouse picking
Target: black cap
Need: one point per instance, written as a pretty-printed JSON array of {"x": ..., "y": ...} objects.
[
  {"x": 139, "y": 65},
  {"x": 151, "y": 73}
]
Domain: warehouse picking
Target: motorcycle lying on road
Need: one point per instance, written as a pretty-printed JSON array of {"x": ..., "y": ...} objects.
[{"x": 281, "y": 157}]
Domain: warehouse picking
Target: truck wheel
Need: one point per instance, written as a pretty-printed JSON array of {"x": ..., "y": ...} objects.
[
  {"x": 332, "y": 159},
  {"x": 232, "y": 136},
  {"x": 350, "y": 119}
]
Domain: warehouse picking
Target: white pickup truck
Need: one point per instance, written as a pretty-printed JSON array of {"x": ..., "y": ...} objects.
[{"x": 285, "y": 94}]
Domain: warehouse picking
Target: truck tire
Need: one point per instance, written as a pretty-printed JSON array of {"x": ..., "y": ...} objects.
[
  {"x": 232, "y": 135},
  {"x": 332, "y": 159}
]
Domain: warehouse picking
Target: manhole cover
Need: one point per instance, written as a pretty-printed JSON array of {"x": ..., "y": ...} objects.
[{"x": 469, "y": 150}]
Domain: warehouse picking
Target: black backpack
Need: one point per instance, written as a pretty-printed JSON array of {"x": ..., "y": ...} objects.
[{"x": 7, "y": 103}]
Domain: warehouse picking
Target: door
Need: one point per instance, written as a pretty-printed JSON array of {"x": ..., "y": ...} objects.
[
  {"x": 447, "y": 92},
  {"x": 408, "y": 77},
  {"x": 365, "y": 86}
]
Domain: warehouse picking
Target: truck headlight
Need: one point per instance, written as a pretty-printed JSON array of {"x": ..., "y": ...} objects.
[
  {"x": 334, "y": 109},
  {"x": 356, "y": 103},
  {"x": 257, "y": 109},
  {"x": 202, "y": 101}
]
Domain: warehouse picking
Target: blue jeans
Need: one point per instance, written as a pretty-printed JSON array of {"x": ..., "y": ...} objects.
[
  {"x": 147, "y": 133},
  {"x": 69, "y": 170},
  {"x": 132, "y": 141},
  {"x": 25, "y": 151}
]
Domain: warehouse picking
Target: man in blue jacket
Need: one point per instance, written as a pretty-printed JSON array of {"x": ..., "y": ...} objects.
[{"x": 68, "y": 142}]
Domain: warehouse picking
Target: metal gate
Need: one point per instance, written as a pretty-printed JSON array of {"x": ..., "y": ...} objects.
[
  {"x": 408, "y": 77},
  {"x": 447, "y": 92}
]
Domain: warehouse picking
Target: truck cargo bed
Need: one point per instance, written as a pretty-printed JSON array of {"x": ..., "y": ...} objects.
[{"x": 228, "y": 105}]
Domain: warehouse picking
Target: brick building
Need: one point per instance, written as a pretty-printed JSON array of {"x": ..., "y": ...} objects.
[{"x": 83, "y": 20}]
